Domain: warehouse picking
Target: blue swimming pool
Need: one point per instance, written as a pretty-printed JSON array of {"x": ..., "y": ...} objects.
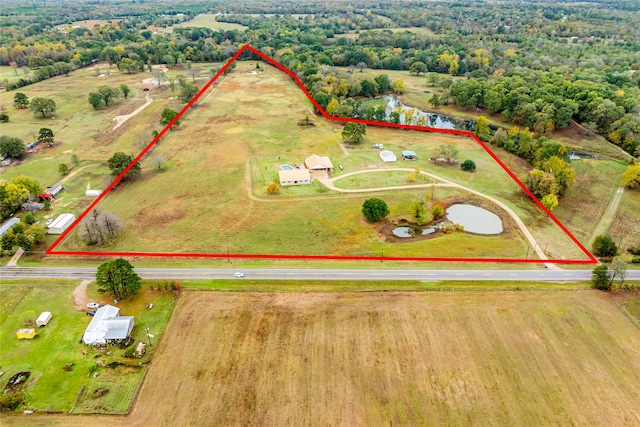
[{"x": 286, "y": 167}]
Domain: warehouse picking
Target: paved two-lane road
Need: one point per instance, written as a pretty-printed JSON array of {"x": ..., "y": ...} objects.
[{"x": 84, "y": 273}]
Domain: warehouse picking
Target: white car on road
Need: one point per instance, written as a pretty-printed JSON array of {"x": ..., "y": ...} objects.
[{"x": 238, "y": 274}]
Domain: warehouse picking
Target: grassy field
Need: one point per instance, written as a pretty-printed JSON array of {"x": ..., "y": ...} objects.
[
  {"x": 626, "y": 226},
  {"x": 208, "y": 155},
  {"x": 209, "y": 21},
  {"x": 426, "y": 358},
  {"x": 49, "y": 388}
]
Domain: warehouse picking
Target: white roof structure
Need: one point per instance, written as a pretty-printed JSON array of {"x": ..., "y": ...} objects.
[
  {"x": 61, "y": 223},
  {"x": 107, "y": 326},
  {"x": 315, "y": 163},
  {"x": 388, "y": 156},
  {"x": 295, "y": 176},
  {"x": 7, "y": 225},
  {"x": 44, "y": 318}
]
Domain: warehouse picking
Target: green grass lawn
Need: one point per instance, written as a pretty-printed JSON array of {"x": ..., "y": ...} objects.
[
  {"x": 208, "y": 158},
  {"x": 49, "y": 387}
]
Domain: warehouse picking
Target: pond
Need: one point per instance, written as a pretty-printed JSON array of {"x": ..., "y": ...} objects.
[
  {"x": 404, "y": 231},
  {"x": 475, "y": 219},
  {"x": 433, "y": 120},
  {"x": 577, "y": 155}
]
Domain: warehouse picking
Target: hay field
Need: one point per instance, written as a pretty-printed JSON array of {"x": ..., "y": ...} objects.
[
  {"x": 435, "y": 358},
  {"x": 212, "y": 196}
]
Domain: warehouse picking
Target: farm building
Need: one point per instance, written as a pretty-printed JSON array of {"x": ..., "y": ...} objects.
[
  {"x": 409, "y": 155},
  {"x": 7, "y": 225},
  {"x": 93, "y": 193},
  {"x": 26, "y": 333},
  {"x": 32, "y": 206},
  {"x": 43, "y": 319},
  {"x": 388, "y": 156},
  {"x": 50, "y": 194},
  {"x": 318, "y": 164},
  {"x": 61, "y": 223},
  {"x": 294, "y": 177},
  {"x": 108, "y": 326}
]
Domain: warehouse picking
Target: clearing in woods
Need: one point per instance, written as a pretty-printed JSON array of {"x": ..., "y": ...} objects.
[
  {"x": 210, "y": 198},
  {"x": 401, "y": 358}
]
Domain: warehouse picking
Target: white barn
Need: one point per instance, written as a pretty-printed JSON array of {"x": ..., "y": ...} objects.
[
  {"x": 43, "y": 319},
  {"x": 294, "y": 177},
  {"x": 61, "y": 223},
  {"x": 388, "y": 156},
  {"x": 107, "y": 326}
]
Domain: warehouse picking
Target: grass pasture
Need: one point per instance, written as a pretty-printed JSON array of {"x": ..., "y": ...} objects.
[
  {"x": 49, "y": 387},
  {"x": 206, "y": 20},
  {"x": 435, "y": 358},
  {"x": 232, "y": 139}
]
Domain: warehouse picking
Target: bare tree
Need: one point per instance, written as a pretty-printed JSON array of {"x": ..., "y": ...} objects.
[
  {"x": 158, "y": 76},
  {"x": 100, "y": 228},
  {"x": 159, "y": 163}
]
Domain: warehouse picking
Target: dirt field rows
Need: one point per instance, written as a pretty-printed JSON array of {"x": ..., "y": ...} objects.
[{"x": 393, "y": 358}]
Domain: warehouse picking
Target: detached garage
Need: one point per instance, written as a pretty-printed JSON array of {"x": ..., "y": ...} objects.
[{"x": 61, "y": 223}]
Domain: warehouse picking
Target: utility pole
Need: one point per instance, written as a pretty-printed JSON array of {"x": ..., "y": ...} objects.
[{"x": 148, "y": 335}]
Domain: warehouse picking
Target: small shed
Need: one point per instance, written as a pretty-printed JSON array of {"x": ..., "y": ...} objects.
[
  {"x": 388, "y": 156},
  {"x": 61, "y": 223},
  {"x": 26, "y": 333},
  {"x": 409, "y": 155},
  {"x": 43, "y": 319},
  {"x": 32, "y": 206},
  {"x": 93, "y": 193}
]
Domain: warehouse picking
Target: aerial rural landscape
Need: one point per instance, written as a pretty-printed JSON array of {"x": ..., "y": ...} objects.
[{"x": 301, "y": 213}]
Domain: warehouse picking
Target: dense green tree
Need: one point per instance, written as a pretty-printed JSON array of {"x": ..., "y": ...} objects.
[
  {"x": 46, "y": 136},
  {"x": 63, "y": 169},
  {"x": 540, "y": 183},
  {"x": 12, "y": 147},
  {"x": 108, "y": 94},
  {"x": 118, "y": 279},
  {"x": 354, "y": 132},
  {"x": 188, "y": 92},
  {"x": 119, "y": 162},
  {"x": 383, "y": 82},
  {"x": 44, "y": 106},
  {"x": 418, "y": 68},
  {"x": 167, "y": 116},
  {"x": 468, "y": 165},
  {"x": 128, "y": 65},
  {"x": 600, "y": 278},
  {"x": 20, "y": 100},
  {"x": 604, "y": 246},
  {"x": 4, "y": 117},
  {"x": 95, "y": 100},
  {"x": 375, "y": 209},
  {"x": 125, "y": 90}
]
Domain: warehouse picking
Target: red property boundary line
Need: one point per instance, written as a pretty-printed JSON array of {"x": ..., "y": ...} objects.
[{"x": 52, "y": 251}]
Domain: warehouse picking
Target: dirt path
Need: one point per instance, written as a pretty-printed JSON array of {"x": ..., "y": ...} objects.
[
  {"x": 329, "y": 183},
  {"x": 608, "y": 216},
  {"x": 14, "y": 259},
  {"x": 121, "y": 119},
  {"x": 73, "y": 173},
  {"x": 79, "y": 294}
]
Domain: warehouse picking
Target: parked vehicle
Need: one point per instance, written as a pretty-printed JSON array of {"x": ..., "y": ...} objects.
[
  {"x": 91, "y": 312},
  {"x": 378, "y": 146},
  {"x": 93, "y": 305}
]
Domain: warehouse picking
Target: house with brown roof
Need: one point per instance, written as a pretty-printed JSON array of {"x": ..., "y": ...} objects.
[{"x": 318, "y": 165}]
